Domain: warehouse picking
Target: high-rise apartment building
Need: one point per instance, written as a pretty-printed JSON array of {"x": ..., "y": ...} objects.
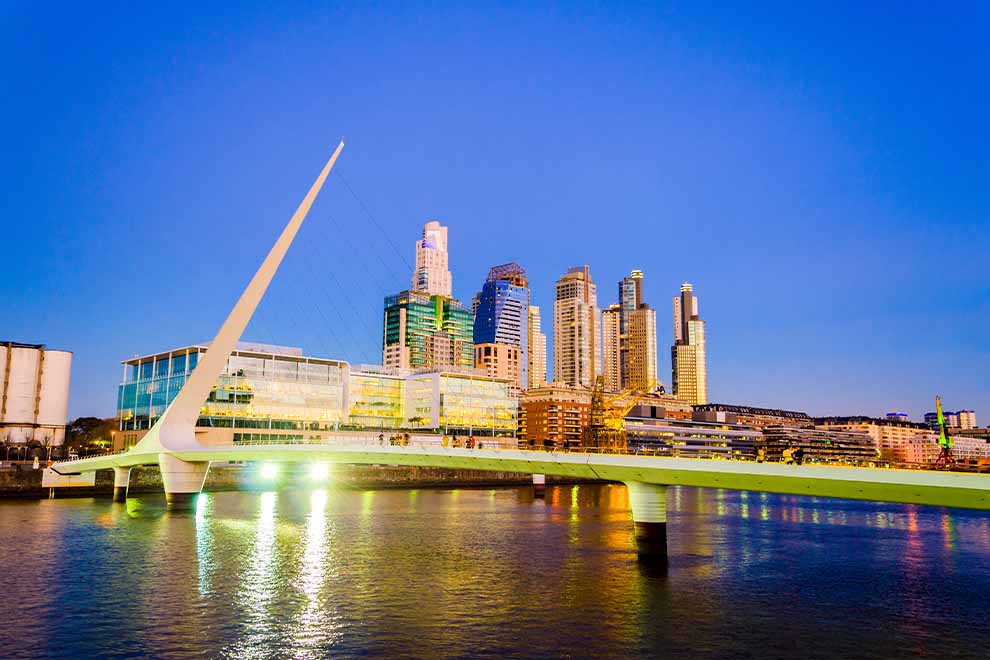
[
  {"x": 630, "y": 339},
  {"x": 537, "y": 350},
  {"x": 432, "y": 274},
  {"x": 687, "y": 355},
  {"x": 576, "y": 335},
  {"x": 501, "y": 324},
  {"x": 611, "y": 342}
]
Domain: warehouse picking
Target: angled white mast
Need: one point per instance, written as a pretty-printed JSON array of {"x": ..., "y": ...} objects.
[{"x": 174, "y": 430}]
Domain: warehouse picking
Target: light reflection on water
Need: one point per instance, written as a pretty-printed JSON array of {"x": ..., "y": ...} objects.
[{"x": 491, "y": 573}]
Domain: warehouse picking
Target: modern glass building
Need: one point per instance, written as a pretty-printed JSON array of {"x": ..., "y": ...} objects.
[
  {"x": 502, "y": 318},
  {"x": 461, "y": 404},
  {"x": 263, "y": 388},
  {"x": 423, "y": 331},
  {"x": 276, "y": 394},
  {"x": 376, "y": 399}
]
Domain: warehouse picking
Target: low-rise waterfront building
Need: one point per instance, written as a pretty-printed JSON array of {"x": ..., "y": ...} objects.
[
  {"x": 275, "y": 393},
  {"x": 554, "y": 415},
  {"x": 819, "y": 445},
  {"x": 971, "y": 446},
  {"x": 461, "y": 404},
  {"x": 896, "y": 440},
  {"x": 690, "y": 438}
]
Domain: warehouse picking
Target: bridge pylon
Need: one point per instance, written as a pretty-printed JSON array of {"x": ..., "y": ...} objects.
[
  {"x": 121, "y": 479},
  {"x": 183, "y": 480},
  {"x": 649, "y": 511}
]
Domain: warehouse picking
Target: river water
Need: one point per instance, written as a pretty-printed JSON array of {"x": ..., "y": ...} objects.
[{"x": 491, "y": 574}]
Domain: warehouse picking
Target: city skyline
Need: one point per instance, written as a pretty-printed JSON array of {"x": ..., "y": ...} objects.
[{"x": 837, "y": 199}]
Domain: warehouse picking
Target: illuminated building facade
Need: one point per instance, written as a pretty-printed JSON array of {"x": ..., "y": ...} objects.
[
  {"x": 819, "y": 445},
  {"x": 687, "y": 355},
  {"x": 501, "y": 324},
  {"x": 263, "y": 391},
  {"x": 896, "y": 440},
  {"x": 537, "y": 356},
  {"x": 611, "y": 341},
  {"x": 554, "y": 415},
  {"x": 375, "y": 398},
  {"x": 634, "y": 347},
  {"x": 676, "y": 437},
  {"x": 277, "y": 394},
  {"x": 423, "y": 331},
  {"x": 460, "y": 404},
  {"x": 577, "y": 351},
  {"x": 500, "y": 361}
]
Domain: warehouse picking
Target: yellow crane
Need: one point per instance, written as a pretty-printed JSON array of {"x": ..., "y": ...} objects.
[{"x": 607, "y": 429}]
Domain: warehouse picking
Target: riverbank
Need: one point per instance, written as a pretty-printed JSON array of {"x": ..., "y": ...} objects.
[{"x": 25, "y": 483}]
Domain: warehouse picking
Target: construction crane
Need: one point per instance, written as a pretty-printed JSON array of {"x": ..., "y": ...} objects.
[
  {"x": 945, "y": 460},
  {"x": 607, "y": 429}
]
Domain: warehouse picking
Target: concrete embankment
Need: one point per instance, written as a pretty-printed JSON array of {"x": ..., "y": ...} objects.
[{"x": 26, "y": 483}]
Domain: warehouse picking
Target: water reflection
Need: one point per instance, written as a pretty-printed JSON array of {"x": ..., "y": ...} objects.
[
  {"x": 492, "y": 573},
  {"x": 258, "y": 585},
  {"x": 315, "y": 627}
]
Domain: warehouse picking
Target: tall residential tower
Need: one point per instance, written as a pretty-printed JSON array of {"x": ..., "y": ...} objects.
[
  {"x": 537, "y": 350},
  {"x": 576, "y": 336},
  {"x": 629, "y": 339},
  {"x": 687, "y": 355}
]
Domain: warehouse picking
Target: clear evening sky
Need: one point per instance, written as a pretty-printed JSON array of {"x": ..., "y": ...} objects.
[{"x": 820, "y": 173}]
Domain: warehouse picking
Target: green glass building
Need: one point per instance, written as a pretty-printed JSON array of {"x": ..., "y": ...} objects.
[{"x": 423, "y": 331}]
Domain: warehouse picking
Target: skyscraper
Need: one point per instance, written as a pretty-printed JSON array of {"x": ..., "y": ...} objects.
[
  {"x": 576, "y": 336},
  {"x": 629, "y": 339},
  {"x": 425, "y": 328},
  {"x": 537, "y": 350},
  {"x": 687, "y": 355},
  {"x": 501, "y": 324},
  {"x": 432, "y": 275},
  {"x": 611, "y": 340}
]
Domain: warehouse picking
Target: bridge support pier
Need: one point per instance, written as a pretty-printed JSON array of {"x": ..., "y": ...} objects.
[
  {"x": 539, "y": 485},
  {"x": 121, "y": 477},
  {"x": 649, "y": 512},
  {"x": 183, "y": 480}
]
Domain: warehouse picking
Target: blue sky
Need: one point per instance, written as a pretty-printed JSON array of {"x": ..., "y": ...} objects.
[{"x": 819, "y": 171}]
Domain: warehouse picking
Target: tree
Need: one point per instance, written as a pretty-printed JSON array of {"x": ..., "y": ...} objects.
[{"x": 90, "y": 434}]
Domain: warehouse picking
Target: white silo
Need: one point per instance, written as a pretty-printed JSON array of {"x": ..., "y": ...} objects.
[{"x": 34, "y": 394}]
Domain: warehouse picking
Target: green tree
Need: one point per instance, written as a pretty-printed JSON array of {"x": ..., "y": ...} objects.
[{"x": 87, "y": 435}]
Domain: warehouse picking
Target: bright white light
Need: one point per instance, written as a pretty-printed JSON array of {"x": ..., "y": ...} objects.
[
  {"x": 269, "y": 471},
  {"x": 319, "y": 472}
]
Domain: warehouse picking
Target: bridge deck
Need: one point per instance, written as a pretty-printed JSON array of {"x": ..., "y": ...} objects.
[{"x": 878, "y": 484}]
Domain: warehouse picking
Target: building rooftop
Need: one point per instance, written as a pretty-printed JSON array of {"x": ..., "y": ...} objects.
[{"x": 753, "y": 410}]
